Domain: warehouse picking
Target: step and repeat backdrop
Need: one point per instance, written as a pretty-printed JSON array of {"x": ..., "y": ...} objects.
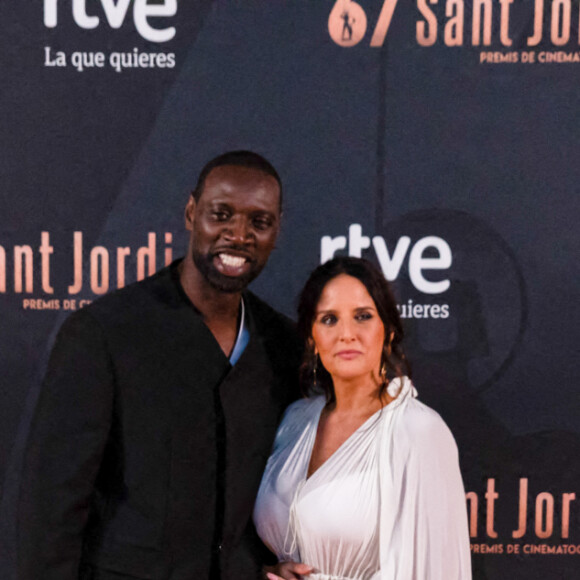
[{"x": 438, "y": 138}]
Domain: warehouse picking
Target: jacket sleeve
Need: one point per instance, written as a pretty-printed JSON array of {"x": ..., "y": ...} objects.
[
  {"x": 423, "y": 525},
  {"x": 67, "y": 437}
]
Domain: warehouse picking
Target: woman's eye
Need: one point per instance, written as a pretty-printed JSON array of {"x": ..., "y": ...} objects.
[
  {"x": 364, "y": 316},
  {"x": 328, "y": 319}
]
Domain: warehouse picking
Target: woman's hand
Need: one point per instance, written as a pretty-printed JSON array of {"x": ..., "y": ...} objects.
[{"x": 287, "y": 571}]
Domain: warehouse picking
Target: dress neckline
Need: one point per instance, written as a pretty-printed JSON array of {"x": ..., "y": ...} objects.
[
  {"x": 360, "y": 428},
  {"x": 399, "y": 388}
]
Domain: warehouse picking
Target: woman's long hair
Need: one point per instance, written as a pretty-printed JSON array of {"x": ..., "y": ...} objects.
[{"x": 313, "y": 376}]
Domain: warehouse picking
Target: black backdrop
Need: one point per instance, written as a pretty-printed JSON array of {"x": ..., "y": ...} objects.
[{"x": 432, "y": 143}]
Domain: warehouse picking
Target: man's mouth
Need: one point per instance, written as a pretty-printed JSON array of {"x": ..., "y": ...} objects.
[
  {"x": 231, "y": 265},
  {"x": 232, "y": 261}
]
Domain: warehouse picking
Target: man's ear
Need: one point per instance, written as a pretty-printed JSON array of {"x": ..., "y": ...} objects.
[{"x": 190, "y": 213}]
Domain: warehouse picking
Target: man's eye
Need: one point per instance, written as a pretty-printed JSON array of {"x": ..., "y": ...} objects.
[
  {"x": 262, "y": 223},
  {"x": 219, "y": 216}
]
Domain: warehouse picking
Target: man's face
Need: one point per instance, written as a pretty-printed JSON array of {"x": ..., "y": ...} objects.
[{"x": 234, "y": 226}]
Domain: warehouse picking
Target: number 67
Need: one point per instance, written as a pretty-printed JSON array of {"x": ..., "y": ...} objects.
[{"x": 347, "y": 23}]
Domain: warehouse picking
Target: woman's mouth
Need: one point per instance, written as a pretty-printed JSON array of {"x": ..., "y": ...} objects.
[{"x": 348, "y": 354}]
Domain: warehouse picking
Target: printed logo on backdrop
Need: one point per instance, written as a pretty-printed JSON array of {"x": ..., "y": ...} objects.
[
  {"x": 501, "y": 31},
  {"x": 414, "y": 252},
  {"x": 28, "y": 270},
  {"x": 152, "y": 21},
  {"x": 522, "y": 519}
]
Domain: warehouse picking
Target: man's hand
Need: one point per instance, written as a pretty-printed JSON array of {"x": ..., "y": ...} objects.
[{"x": 287, "y": 571}]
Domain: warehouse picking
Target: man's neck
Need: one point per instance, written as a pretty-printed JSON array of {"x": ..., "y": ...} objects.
[
  {"x": 214, "y": 304},
  {"x": 219, "y": 310}
]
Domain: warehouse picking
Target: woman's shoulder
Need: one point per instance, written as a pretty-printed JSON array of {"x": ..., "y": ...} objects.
[
  {"x": 297, "y": 417},
  {"x": 421, "y": 426},
  {"x": 303, "y": 409}
]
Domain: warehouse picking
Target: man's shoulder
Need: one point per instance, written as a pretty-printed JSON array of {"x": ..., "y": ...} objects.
[
  {"x": 259, "y": 306},
  {"x": 267, "y": 318},
  {"x": 135, "y": 300},
  {"x": 276, "y": 330}
]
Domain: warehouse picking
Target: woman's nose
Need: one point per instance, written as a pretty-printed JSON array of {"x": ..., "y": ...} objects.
[{"x": 346, "y": 331}]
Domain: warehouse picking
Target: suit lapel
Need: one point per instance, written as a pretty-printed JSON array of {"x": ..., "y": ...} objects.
[
  {"x": 194, "y": 354},
  {"x": 249, "y": 396}
]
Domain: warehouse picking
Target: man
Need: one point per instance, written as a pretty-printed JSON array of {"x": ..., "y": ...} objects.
[{"x": 160, "y": 404}]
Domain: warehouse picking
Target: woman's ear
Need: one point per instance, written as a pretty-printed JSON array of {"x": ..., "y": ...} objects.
[{"x": 312, "y": 345}]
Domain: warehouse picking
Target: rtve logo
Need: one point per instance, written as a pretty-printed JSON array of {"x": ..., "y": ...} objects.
[
  {"x": 428, "y": 253},
  {"x": 115, "y": 12}
]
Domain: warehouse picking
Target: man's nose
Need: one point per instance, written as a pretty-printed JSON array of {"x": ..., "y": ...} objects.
[{"x": 237, "y": 230}]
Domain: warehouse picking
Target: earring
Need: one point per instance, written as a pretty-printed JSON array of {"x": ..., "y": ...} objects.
[
  {"x": 383, "y": 372},
  {"x": 314, "y": 381}
]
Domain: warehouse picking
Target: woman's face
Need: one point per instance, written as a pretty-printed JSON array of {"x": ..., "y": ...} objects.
[{"x": 348, "y": 332}]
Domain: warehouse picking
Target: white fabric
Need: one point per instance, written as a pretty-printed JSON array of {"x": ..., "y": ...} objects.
[
  {"x": 389, "y": 504},
  {"x": 243, "y": 337}
]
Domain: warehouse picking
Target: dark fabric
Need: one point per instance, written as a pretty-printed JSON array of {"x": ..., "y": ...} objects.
[
  {"x": 147, "y": 446},
  {"x": 88, "y": 572}
]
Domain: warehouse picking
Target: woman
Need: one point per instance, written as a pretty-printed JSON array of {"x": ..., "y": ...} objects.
[{"x": 363, "y": 482}]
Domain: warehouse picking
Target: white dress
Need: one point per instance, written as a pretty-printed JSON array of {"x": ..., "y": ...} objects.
[{"x": 389, "y": 504}]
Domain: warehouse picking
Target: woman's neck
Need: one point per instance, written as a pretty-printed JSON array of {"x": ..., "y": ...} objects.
[{"x": 357, "y": 396}]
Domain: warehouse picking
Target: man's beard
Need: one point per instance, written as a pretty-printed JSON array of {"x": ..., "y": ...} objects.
[{"x": 219, "y": 281}]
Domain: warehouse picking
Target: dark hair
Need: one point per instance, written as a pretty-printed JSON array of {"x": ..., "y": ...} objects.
[
  {"x": 392, "y": 358},
  {"x": 241, "y": 159}
]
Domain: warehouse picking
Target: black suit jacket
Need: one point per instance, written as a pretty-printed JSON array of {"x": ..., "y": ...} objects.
[{"x": 147, "y": 447}]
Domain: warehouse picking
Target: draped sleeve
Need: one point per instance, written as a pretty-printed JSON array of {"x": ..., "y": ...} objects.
[{"x": 423, "y": 520}]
